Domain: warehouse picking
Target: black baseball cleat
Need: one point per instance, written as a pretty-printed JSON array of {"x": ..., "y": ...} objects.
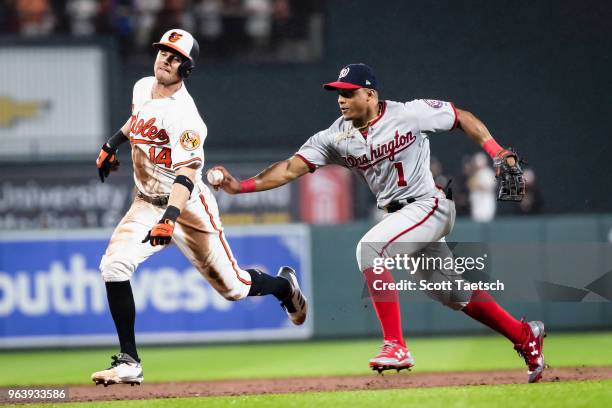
[{"x": 296, "y": 305}]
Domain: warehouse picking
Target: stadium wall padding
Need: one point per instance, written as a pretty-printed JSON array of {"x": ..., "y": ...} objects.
[{"x": 342, "y": 308}]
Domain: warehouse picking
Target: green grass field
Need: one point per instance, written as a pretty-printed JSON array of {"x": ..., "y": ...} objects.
[
  {"x": 314, "y": 358},
  {"x": 327, "y": 358},
  {"x": 575, "y": 394}
]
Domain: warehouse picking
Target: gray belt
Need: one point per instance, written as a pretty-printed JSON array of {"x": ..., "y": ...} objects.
[{"x": 160, "y": 201}]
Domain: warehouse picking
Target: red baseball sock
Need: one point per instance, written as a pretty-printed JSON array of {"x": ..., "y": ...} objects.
[
  {"x": 486, "y": 310},
  {"x": 386, "y": 305}
]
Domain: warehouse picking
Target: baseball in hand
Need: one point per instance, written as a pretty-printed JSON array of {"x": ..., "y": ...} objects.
[{"x": 215, "y": 177}]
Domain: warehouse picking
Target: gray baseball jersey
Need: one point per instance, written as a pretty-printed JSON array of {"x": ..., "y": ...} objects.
[{"x": 393, "y": 158}]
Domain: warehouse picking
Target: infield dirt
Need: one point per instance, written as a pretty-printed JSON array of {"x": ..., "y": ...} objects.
[{"x": 147, "y": 390}]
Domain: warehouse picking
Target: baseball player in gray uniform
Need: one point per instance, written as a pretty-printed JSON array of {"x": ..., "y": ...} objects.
[
  {"x": 386, "y": 144},
  {"x": 166, "y": 134}
]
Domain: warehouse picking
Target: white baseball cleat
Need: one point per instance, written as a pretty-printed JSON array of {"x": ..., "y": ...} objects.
[
  {"x": 123, "y": 370},
  {"x": 295, "y": 305}
]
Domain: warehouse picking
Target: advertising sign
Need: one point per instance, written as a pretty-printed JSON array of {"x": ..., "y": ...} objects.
[{"x": 52, "y": 293}]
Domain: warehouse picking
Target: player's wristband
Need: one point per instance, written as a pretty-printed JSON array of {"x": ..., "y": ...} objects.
[
  {"x": 492, "y": 147},
  {"x": 247, "y": 186},
  {"x": 108, "y": 149},
  {"x": 117, "y": 139},
  {"x": 172, "y": 213},
  {"x": 185, "y": 182}
]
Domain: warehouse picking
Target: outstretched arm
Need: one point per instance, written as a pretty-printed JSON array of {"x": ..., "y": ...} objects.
[
  {"x": 511, "y": 185},
  {"x": 276, "y": 175},
  {"x": 478, "y": 132}
]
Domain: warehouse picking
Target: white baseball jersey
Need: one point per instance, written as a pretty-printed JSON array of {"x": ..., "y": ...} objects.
[
  {"x": 393, "y": 158},
  {"x": 166, "y": 134}
]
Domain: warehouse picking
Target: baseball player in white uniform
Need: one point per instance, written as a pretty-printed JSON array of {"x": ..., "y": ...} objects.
[
  {"x": 166, "y": 134},
  {"x": 386, "y": 144}
]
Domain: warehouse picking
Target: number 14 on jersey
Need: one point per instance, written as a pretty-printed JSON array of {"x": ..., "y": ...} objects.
[{"x": 164, "y": 157}]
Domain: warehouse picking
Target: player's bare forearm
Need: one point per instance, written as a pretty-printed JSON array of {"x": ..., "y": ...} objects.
[
  {"x": 473, "y": 127},
  {"x": 280, "y": 173},
  {"x": 476, "y": 130},
  {"x": 276, "y": 175},
  {"x": 179, "y": 195}
]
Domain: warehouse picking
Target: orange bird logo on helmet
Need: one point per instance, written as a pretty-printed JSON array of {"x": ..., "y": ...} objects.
[{"x": 174, "y": 37}]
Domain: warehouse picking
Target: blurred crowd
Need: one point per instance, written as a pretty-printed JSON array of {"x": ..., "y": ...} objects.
[
  {"x": 474, "y": 190},
  {"x": 275, "y": 29}
]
